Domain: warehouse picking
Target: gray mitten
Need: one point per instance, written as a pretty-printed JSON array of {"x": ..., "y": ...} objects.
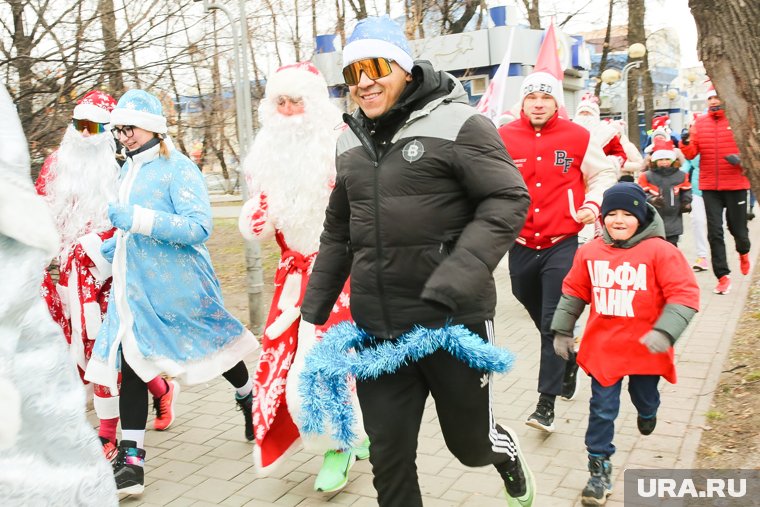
[
  {"x": 656, "y": 341},
  {"x": 733, "y": 159},
  {"x": 564, "y": 346}
]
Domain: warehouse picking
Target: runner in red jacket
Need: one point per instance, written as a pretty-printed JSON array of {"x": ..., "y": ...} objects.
[
  {"x": 724, "y": 185},
  {"x": 566, "y": 173}
]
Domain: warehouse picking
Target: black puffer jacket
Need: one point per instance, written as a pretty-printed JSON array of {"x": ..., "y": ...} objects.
[{"x": 421, "y": 226}]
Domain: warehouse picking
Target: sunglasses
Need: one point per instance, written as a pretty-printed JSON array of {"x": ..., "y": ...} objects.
[
  {"x": 126, "y": 131},
  {"x": 92, "y": 127},
  {"x": 373, "y": 68}
]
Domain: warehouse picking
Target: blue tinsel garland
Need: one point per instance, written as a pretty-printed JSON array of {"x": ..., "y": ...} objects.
[{"x": 345, "y": 350}]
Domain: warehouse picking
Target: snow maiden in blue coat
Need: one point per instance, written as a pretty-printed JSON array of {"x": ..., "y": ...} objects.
[{"x": 165, "y": 312}]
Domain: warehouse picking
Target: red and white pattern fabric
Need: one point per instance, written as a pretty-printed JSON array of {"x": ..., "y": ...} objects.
[{"x": 285, "y": 337}]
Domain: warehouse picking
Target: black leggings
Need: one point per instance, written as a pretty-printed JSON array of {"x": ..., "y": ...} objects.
[{"x": 133, "y": 398}]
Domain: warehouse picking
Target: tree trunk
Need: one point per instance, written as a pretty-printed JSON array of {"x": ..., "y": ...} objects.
[
  {"x": 112, "y": 52},
  {"x": 636, "y": 12},
  {"x": 605, "y": 49},
  {"x": 23, "y": 64},
  {"x": 534, "y": 18},
  {"x": 297, "y": 35},
  {"x": 729, "y": 45},
  {"x": 470, "y": 7}
]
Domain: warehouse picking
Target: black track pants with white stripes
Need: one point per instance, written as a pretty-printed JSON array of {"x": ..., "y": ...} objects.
[{"x": 392, "y": 407}]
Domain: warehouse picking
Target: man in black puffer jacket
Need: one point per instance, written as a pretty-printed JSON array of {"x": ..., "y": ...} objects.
[{"x": 426, "y": 203}]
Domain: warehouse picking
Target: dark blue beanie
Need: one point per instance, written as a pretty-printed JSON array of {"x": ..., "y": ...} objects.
[{"x": 626, "y": 196}]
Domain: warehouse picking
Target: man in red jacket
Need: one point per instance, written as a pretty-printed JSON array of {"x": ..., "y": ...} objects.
[
  {"x": 566, "y": 172},
  {"x": 724, "y": 185}
]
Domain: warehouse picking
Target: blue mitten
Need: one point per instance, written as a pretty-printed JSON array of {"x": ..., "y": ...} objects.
[
  {"x": 108, "y": 248},
  {"x": 121, "y": 215}
]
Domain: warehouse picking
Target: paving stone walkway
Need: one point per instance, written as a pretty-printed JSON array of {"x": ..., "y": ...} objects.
[{"x": 204, "y": 460}]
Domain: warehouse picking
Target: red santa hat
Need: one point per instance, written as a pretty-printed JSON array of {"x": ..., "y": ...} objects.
[
  {"x": 300, "y": 79},
  {"x": 589, "y": 104},
  {"x": 710, "y": 91},
  {"x": 95, "y": 106},
  {"x": 663, "y": 149},
  {"x": 660, "y": 122}
]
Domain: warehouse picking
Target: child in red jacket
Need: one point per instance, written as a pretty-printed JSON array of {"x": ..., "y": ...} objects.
[{"x": 642, "y": 293}]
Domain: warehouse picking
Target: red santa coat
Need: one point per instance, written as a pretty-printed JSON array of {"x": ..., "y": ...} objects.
[
  {"x": 79, "y": 301},
  {"x": 564, "y": 170},
  {"x": 285, "y": 343},
  {"x": 627, "y": 289}
]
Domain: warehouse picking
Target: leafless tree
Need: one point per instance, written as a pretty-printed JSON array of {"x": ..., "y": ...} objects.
[
  {"x": 636, "y": 33},
  {"x": 605, "y": 48}
]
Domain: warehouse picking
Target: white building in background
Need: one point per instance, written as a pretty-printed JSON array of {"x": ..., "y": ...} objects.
[{"x": 474, "y": 56}]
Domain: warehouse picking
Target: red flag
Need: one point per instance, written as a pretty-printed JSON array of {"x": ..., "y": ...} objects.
[
  {"x": 548, "y": 55},
  {"x": 548, "y": 61}
]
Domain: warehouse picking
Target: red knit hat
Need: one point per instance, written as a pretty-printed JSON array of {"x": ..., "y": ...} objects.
[{"x": 95, "y": 106}]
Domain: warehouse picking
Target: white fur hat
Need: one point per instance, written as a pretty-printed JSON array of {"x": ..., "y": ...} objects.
[
  {"x": 301, "y": 79},
  {"x": 588, "y": 104},
  {"x": 95, "y": 106},
  {"x": 542, "y": 82}
]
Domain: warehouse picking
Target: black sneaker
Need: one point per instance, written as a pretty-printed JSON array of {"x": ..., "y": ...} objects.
[
  {"x": 646, "y": 424},
  {"x": 543, "y": 417},
  {"x": 245, "y": 405},
  {"x": 128, "y": 469},
  {"x": 599, "y": 485},
  {"x": 517, "y": 476},
  {"x": 570, "y": 381}
]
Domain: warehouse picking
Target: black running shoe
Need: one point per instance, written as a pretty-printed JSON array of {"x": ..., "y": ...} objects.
[
  {"x": 543, "y": 417},
  {"x": 245, "y": 405},
  {"x": 517, "y": 476},
  {"x": 128, "y": 469},
  {"x": 646, "y": 424},
  {"x": 570, "y": 381}
]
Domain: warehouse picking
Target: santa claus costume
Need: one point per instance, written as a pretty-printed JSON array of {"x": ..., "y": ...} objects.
[
  {"x": 77, "y": 182},
  {"x": 290, "y": 172},
  {"x": 48, "y": 453}
]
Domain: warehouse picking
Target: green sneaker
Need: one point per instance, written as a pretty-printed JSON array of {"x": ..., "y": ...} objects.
[
  {"x": 334, "y": 472},
  {"x": 517, "y": 476},
  {"x": 362, "y": 450}
]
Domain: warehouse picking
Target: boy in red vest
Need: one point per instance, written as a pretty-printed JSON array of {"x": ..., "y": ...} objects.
[{"x": 643, "y": 294}]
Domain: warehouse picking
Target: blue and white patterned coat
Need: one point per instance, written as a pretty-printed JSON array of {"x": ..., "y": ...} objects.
[{"x": 165, "y": 308}]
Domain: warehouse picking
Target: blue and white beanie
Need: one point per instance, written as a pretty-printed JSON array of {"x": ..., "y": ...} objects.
[
  {"x": 378, "y": 37},
  {"x": 140, "y": 109}
]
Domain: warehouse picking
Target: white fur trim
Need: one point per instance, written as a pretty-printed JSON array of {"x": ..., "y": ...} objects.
[
  {"x": 294, "y": 82},
  {"x": 91, "y": 244},
  {"x": 142, "y": 220},
  {"x": 711, "y": 93},
  {"x": 291, "y": 292},
  {"x": 92, "y": 319},
  {"x": 275, "y": 466},
  {"x": 283, "y": 322},
  {"x": 148, "y": 121},
  {"x": 106, "y": 408},
  {"x": 32, "y": 226},
  {"x": 374, "y": 48},
  {"x": 664, "y": 154},
  {"x": 91, "y": 112},
  {"x": 588, "y": 107},
  {"x": 10, "y": 422}
]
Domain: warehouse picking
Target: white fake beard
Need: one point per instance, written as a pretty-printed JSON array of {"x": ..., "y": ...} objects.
[
  {"x": 587, "y": 122},
  {"x": 292, "y": 161},
  {"x": 83, "y": 182}
]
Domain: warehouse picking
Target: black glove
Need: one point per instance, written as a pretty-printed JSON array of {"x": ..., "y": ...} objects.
[
  {"x": 564, "y": 346},
  {"x": 733, "y": 159},
  {"x": 685, "y": 136},
  {"x": 686, "y": 207}
]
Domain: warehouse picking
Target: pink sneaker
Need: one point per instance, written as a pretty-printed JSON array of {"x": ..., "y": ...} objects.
[
  {"x": 744, "y": 263},
  {"x": 724, "y": 285},
  {"x": 164, "y": 407},
  {"x": 700, "y": 264}
]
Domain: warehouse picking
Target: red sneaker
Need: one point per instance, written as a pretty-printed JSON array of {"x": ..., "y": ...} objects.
[
  {"x": 744, "y": 263},
  {"x": 109, "y": 449},
  {"x": 164, "y": 407},
  {"x": 724, "y": 285}
]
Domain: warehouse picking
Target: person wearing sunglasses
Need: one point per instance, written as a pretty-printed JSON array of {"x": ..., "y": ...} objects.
[
  {"x": 426, "y": 203},
  {"x": 77, "y": 182},
  {"x": 165, "y": 312}
]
